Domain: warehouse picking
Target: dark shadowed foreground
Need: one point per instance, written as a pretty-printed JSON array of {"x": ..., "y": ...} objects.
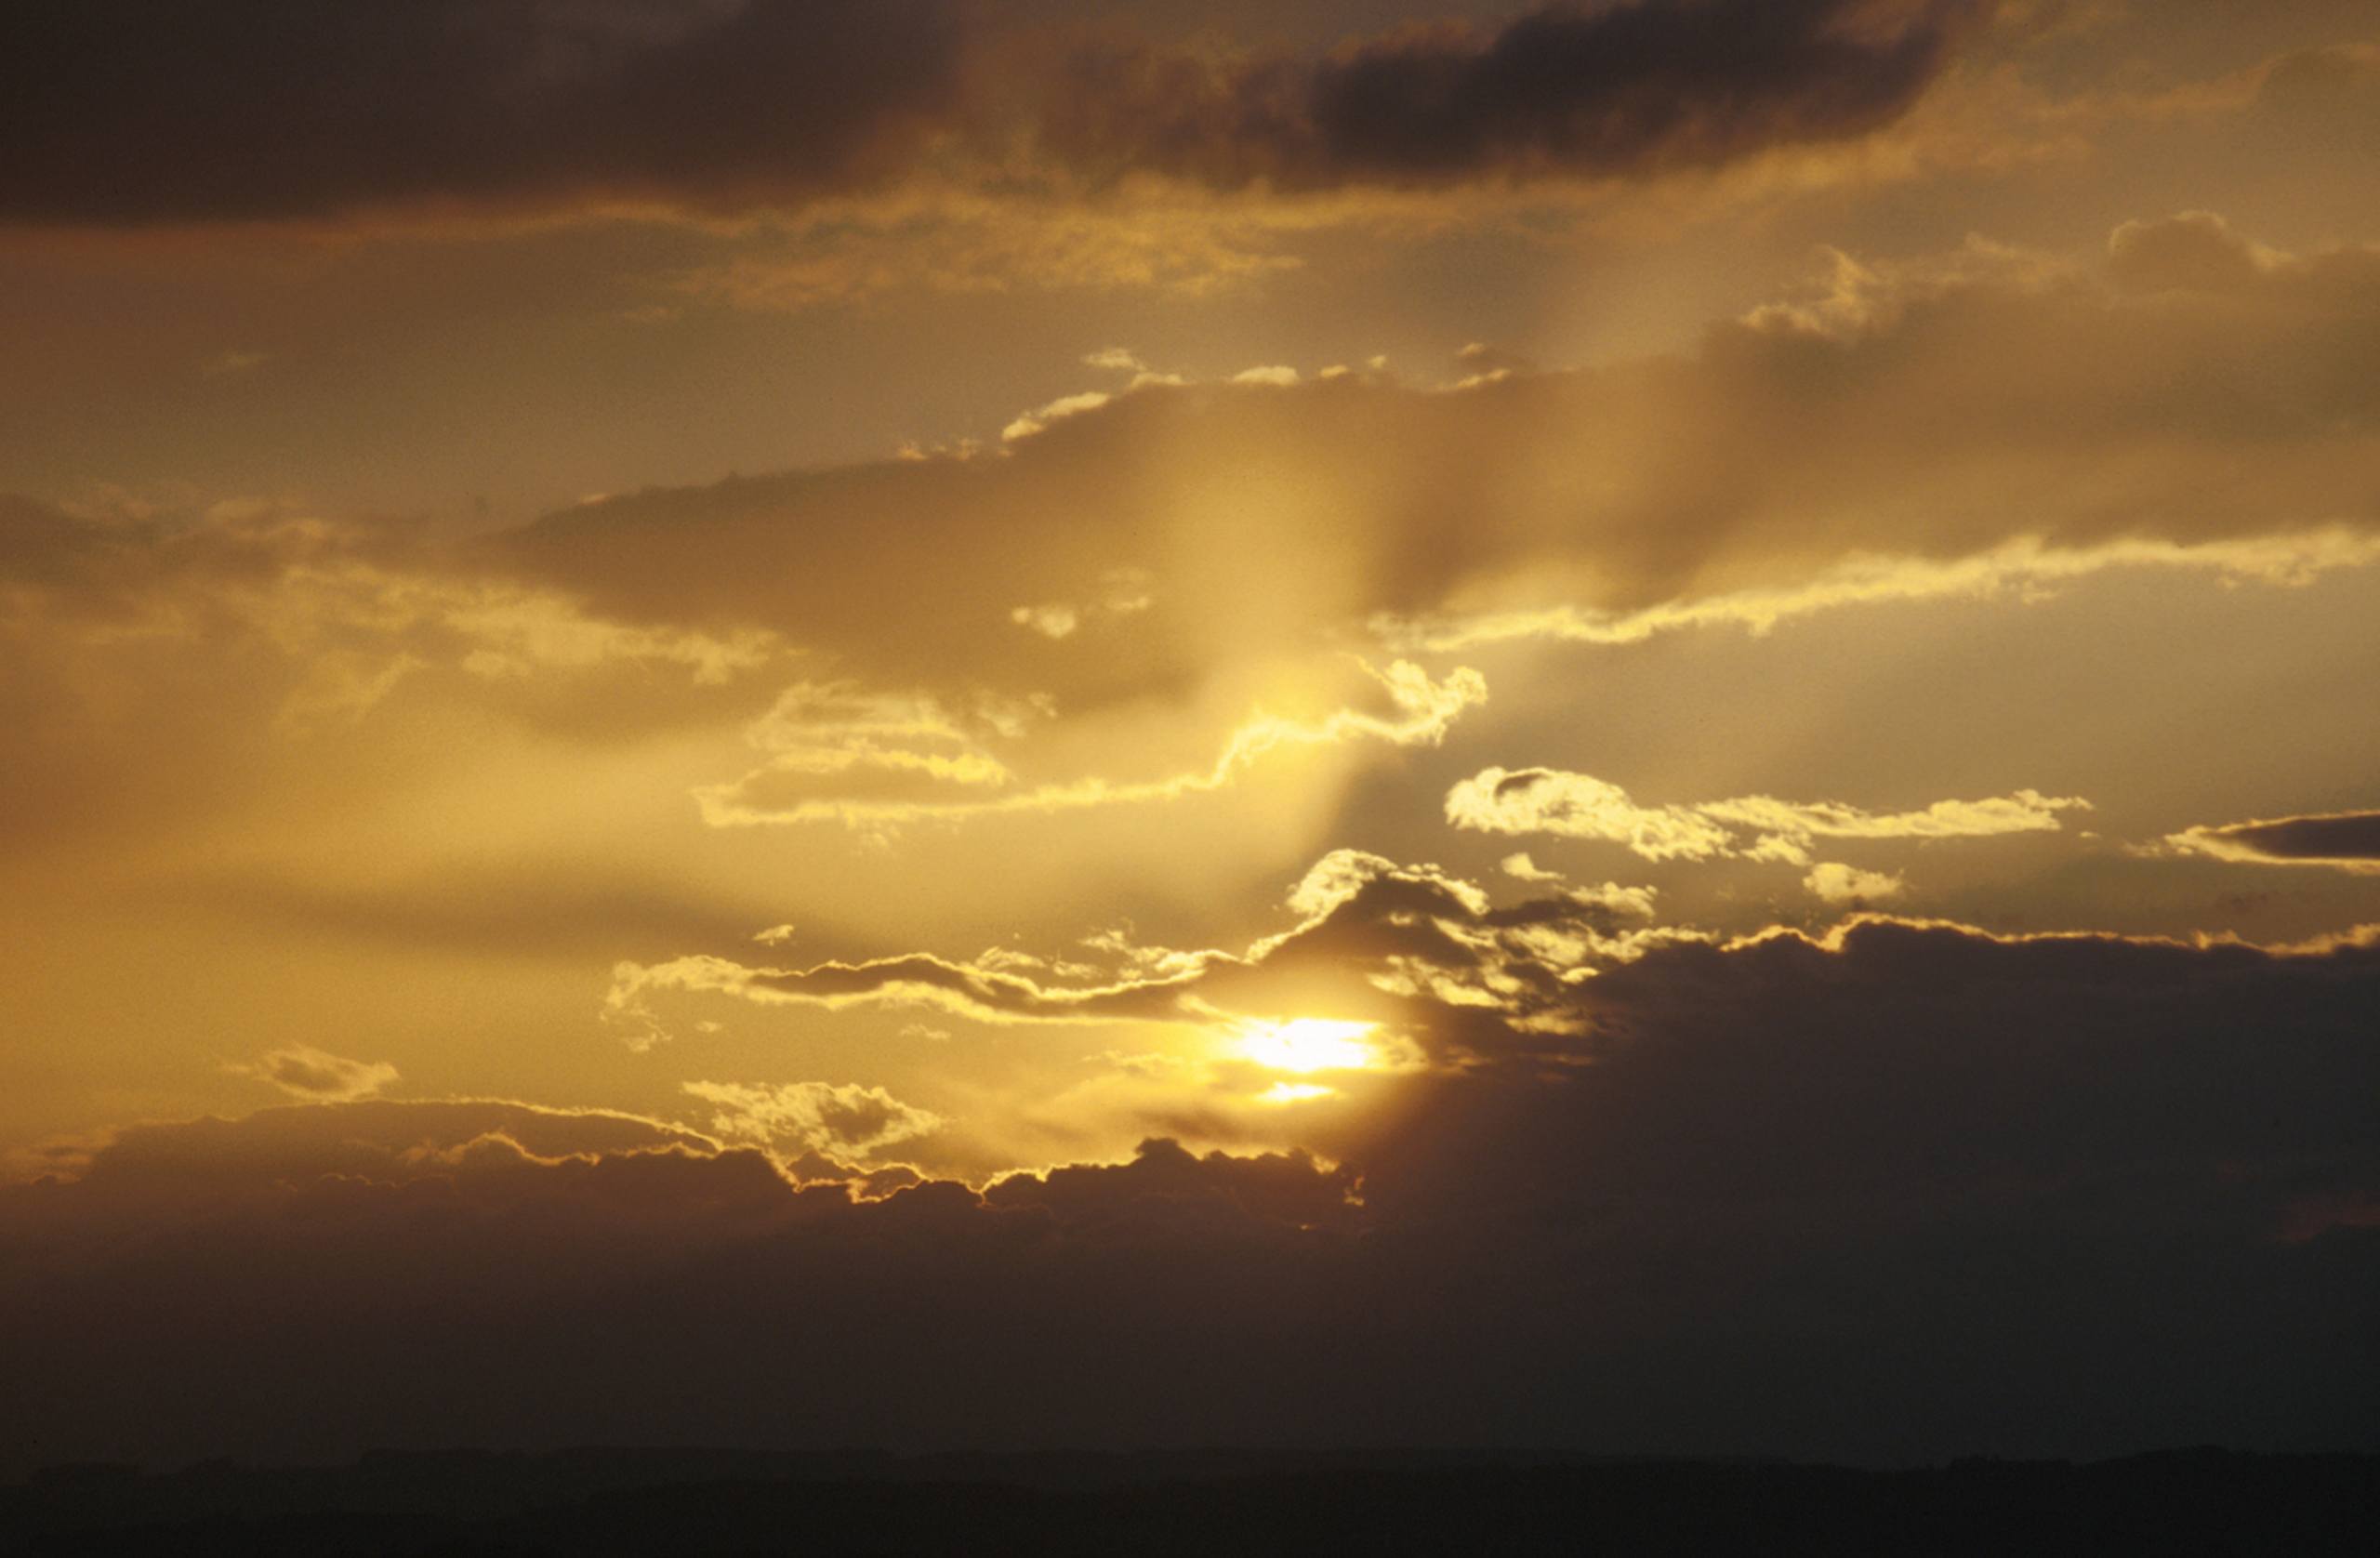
[
  {"x": 1907, "y": 1193},
  {"x": 2190, "y": 1501}
]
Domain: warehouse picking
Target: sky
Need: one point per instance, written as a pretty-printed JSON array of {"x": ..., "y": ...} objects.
[{"x": 1644, "y": 726}]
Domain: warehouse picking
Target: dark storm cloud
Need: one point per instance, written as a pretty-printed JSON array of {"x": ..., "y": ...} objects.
[
  {"x": 130, "y": 111},
  {"x": 1901, "y": 1192},
  {"x": 160, "y": 111},
  {"x": 1610, "y": 90},
  {"x": 2344, "y": 840}
]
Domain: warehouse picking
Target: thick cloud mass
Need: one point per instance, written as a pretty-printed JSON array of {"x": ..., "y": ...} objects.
[
  {"x": 1612, "y": 90},
  {"x": 155, "y": 111},
  {"x": 149, "y": 110},
  {"x": 1905, "y": 1191}
]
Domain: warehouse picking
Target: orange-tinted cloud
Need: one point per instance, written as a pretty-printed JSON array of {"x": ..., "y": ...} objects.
[
  {"x": 2341, "y": 840},
  {"x": 319, "y": 1076},
  {"x": 2003, "y": 423},
  {"x": 1580, "y": 806},
  {"x": 1408, "y": 945}
]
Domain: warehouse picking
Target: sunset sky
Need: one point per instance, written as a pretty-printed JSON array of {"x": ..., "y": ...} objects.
[{"x": 1652, "y": 725}]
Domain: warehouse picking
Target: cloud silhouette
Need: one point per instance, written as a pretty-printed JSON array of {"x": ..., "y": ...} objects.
[
  {"x": 129, "y": 111},
  {"x": 1604, "y": 91},
  {"x": 135, "y": 112},
  {"x": 1898, "y": 1191}
]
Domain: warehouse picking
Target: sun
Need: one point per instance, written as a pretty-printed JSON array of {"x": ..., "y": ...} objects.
[{"x": 1309, "y": 1044}]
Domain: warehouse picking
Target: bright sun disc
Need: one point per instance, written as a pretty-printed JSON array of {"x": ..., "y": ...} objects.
[{"x": 1305, "y": 1043}]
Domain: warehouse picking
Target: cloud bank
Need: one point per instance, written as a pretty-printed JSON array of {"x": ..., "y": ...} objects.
[
  {"x": 126, "y": 112},
  {"x": 1890, "y": 1193}
]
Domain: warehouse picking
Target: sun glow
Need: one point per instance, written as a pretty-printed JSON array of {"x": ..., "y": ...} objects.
[
  {"x": 1309, "y": 1044},
  {"x": 1295, "y": 1092}
]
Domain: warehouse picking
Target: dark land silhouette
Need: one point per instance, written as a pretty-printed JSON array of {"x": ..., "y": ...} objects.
[{"x": 604, "y": 1501}]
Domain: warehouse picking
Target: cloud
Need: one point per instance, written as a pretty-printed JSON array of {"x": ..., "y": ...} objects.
[
  {"x": 265, "y": 109},
  {"x": 2339, "y": 840},
  {"x": 1777, "y": 1173},
  {"x": 2023, "y": 568},
  {"x": 811, "y": 781},
  {"x": 281, "y": 109},
  {"x": 1520, "y": 867},
  {"x": 1580, "y": 806},
  {"x": 848, "y": 1122},
  {"x": 317, "y": 1076},
  {"x": 1997, "y": 424},
  {"x": 1982, "y": 1065},
  {"x": 379, "y": 1140},
  {"x": 1056, "y": 621},
  {"x": 961, "y": 988},
  {"x": 1063, "y": 407},
  {"x": 940, "y": 241},
  {"x": 2196, "y": 251},
  {"x": 1374, "y": 941},
  {"x": 1613, "y": 91},
  {"x": 1836, "y": 883},
  {"x": 351, "y": 605}
]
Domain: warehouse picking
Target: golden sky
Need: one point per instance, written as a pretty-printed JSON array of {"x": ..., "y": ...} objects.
[{"x": 1067, "y": 718}]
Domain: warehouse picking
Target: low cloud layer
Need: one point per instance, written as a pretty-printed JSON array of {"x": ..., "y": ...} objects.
[{"x": 1900, "y": 1190}]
